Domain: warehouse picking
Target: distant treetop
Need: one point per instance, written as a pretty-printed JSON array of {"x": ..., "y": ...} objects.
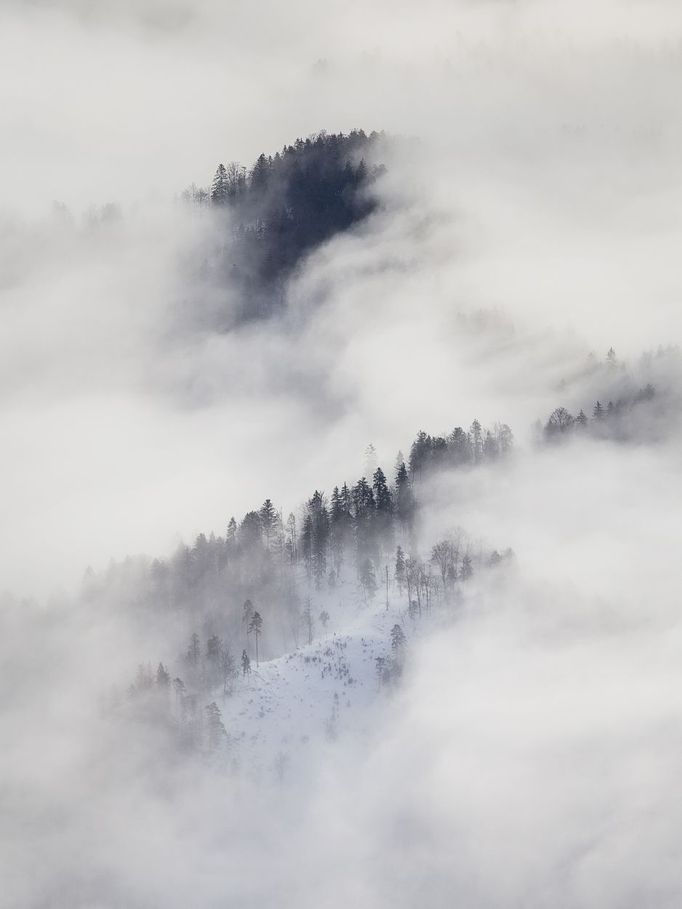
[{"x": 286, "y": 205}]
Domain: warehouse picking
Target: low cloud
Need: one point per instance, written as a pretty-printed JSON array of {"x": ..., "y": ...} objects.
[{"x": 527, "y": 225}]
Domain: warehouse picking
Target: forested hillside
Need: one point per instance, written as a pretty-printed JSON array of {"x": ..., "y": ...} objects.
[
  {"x": 274, "y": 584},
  {"x": 272, "y": 214}
]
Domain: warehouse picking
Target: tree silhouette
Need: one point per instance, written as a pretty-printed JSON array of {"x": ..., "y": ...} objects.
[{"x": 256, "y": 628}]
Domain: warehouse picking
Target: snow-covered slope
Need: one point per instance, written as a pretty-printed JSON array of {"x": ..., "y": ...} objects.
[{"x": 321, "y": 690}]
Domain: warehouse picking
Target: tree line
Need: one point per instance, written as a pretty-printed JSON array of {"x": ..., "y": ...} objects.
[
  {"x": 607, "y": 420},
  {"x": 249, "y": 594}
]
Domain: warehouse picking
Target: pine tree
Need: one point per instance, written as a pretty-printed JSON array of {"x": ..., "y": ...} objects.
[
  {"x": 214, "y": 649},
  {"x": 316, "y": 533},
  {"x": 459, "y": 446},
  {"x": 215, "y": 729},
  {"x": 256, "y": 628},
  {"x": 398, "y": 639},
  {"x": 404, "y": 501},
  {"x": 399, "y": 572},
  {"x": 340, "y": 524},
  {"x": 364, "y": 508},
  {"x": 268, "y": 519},
  {"x": 476, "y": 435},
  {"x": 384, "y": 508},
  {"x": 308, "y": 620},
  {"x": 398, "y": 643},
  {"x": 220, "y": 186},
  {"x": 231, "y": 535},
  {"x": 307, "y": 543},
  {"x": 291, "y": 541},
  {"x": 419, "y": 453},
  {"x": 162, "y": 676},
  {"x": 260, "y": 175},
  {"x": 247, "y": 615},
  {"x": 250, "y": 532},
  {"x": 246, "y": 663},
  {"x": 335, "y": 527}
]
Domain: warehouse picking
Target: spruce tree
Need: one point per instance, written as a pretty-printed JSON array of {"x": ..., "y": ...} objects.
[
  {"x": 476, "y": 436},
  {"x": 220, "y": 186},
  {"x": 268, "y": 519},
  {"x": 231, "y": 535},
  {"x": 384, "y": 508},
  {"x": 404, "y": 500}
]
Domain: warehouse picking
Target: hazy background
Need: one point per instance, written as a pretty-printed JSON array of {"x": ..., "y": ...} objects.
[{"x": 533, "y": 757}]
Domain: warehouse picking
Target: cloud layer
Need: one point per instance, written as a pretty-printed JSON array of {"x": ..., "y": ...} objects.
[{"x": 529, "y": 218}]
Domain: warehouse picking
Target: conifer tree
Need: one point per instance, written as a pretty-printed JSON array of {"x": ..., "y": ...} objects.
[
  {"x": 308, "y": 620},
  {"x": 404, "y": 500},
  {"x": 476, "y": 435},
  {"x": 398, "y": 639},
  {"x": 316, "y": 532},
  {"x": 162, "y": 676},
  {"x": 399, "y": 572},
  {"x": 256, "y": 628},
  {"x": 214, "y": 726},
  {"x": 220, "y": 186},
  {"x": 247, "y": 615},
  {"x": 231, "y": 535},
  {"x": 268, "y": 519},
  {"x": 291, "y": 543},
  {"x": 250, "y": 532},
  {"x": 384, "y": 508}
]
